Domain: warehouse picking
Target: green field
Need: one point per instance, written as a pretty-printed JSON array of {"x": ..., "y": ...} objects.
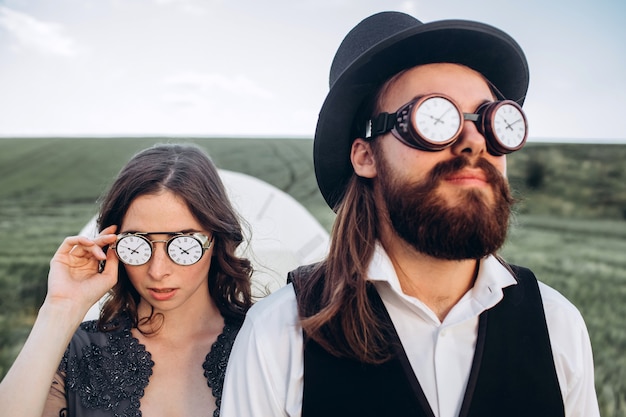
[{"x": 570, "y": 226}]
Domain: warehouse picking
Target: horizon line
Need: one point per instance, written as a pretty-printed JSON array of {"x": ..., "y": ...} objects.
[{"x": 555, "y": 140}]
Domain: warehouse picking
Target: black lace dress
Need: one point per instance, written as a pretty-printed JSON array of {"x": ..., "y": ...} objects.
[{"x": 104, "y": 374}]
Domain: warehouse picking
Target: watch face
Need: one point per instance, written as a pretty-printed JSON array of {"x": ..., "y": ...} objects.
[
  {"x": 509, "y": 126},
  {"x": 133, "y": 250},
  {"x": 437, "y": 120},
  {"x": 185, "y": 250}
]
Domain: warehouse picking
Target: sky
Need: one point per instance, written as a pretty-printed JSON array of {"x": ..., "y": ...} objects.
[{"x": 254, "y": 68}]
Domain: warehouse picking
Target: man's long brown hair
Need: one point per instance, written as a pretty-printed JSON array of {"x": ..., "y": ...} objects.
[
  {"x": 341, "y": 318},
  {"x": 187, "y": 171}
]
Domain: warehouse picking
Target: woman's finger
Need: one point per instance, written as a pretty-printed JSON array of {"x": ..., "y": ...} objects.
[
  {"x": 111, "y": 264},
  {"x": 74, "y": 245},
  {"x": 101, "y": 241},
  {"x": 108, "y": 230},
  {"x": 81, "y": 247}
]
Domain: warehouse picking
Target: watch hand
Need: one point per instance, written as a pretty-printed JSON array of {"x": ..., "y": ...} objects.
[
  {"x": 509, "y": 125},
  {"x": 518, "y": 120},
  {"x": 131, "y": 249},
  {"x": 183, "y": 250},
  {"x": 138, "y": 246},
  {"x": 437, "y": 119}
]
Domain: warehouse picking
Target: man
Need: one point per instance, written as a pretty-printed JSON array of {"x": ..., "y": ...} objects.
[{"x": 412, "y": 313}]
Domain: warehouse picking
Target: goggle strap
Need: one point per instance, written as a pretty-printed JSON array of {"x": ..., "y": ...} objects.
[
  {"x": 382, "y": 124},
  {"x": 471, "y": 116}
]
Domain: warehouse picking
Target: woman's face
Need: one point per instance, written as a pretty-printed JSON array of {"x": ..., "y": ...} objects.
[{"x": 161, "y": 283}]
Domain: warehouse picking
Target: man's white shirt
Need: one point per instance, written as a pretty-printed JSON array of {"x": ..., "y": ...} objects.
[{"x": 264, "y": 376}]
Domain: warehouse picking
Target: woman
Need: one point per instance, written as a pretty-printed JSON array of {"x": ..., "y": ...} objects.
[{"x": 178, "y": 294}]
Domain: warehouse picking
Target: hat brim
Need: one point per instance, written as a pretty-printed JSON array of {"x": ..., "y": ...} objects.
[{"x": 481, "y": 47}]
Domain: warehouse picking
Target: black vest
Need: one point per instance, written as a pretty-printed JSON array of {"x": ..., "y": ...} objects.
[{"x": 512, "y": 374}]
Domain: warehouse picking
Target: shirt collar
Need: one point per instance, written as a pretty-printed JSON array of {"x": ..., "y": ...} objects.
[{"x": 492, "y": 277}]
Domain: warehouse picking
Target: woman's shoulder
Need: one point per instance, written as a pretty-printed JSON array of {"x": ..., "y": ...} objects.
[
  {"x": 93, "y": 344},
  {"x": 89, "y": 332}
]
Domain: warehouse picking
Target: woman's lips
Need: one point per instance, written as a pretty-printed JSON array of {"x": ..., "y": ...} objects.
[{"x": 162, "y": 294}]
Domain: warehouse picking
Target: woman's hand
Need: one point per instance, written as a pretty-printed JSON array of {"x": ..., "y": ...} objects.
[
  {"x": 74, "y": 280},
  {"x": 74, "y": 285}
]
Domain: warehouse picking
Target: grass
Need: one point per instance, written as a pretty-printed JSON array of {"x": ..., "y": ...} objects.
[
  {"x": 570, "y": 227},
  {"x": 584, "y": 260}
]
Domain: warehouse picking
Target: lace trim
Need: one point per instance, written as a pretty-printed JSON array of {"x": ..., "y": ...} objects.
[
  {"x": 113, "y": 377},
  {"x": 216, "y": 360}
]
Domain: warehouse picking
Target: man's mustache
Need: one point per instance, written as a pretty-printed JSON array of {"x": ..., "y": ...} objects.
[{"x": 447, "y": 168}]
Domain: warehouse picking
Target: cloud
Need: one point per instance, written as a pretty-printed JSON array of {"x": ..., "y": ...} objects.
[
  {"x": 409, "y": 7},
  {"x": 197, "y": 7},
  {"x": 238, "y": 85},
  {"x": 30, "y": 32}
]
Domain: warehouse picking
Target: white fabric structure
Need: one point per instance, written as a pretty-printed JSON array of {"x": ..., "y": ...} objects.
[{"x": 283, "y": 234}]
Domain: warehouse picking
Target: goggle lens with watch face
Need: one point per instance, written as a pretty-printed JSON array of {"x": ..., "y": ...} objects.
[
  {"x": 434, "y": 122},
  {"x": 182, "y": 248}
]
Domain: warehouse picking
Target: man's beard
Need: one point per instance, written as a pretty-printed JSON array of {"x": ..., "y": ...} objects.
[{"x": 470, "y": 228}]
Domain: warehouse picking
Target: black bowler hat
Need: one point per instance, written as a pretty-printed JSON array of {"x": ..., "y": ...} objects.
[{"x": 383, "y": 45}]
